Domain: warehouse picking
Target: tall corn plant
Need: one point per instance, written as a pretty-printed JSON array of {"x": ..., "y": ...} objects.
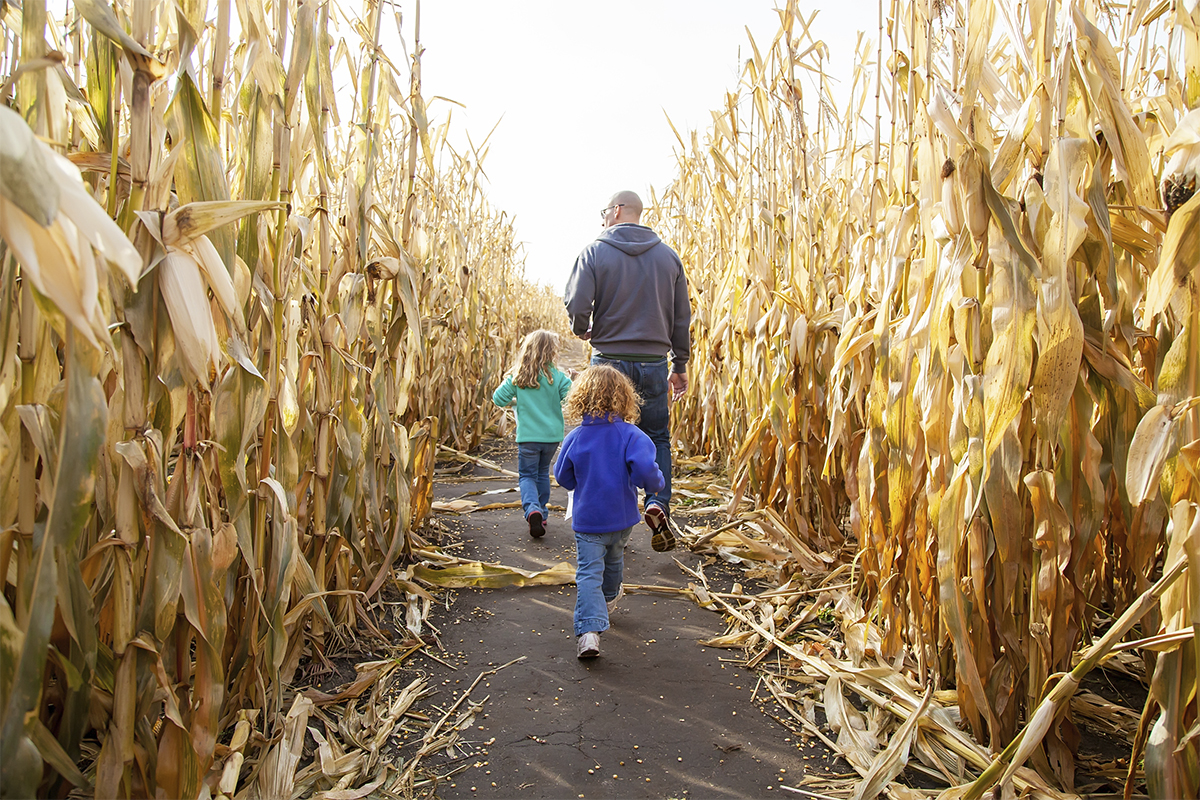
[
  {"x": 968, "y": 333},
  {"x": 227, "y": 319}
]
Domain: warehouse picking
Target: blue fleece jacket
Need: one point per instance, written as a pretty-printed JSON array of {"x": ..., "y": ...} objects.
[{"x": 604, "y": 461}]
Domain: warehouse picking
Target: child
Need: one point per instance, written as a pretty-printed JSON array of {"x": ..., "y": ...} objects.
[
  {"x": 604, "y": 461},
  {"x": 538, "y": 388}
]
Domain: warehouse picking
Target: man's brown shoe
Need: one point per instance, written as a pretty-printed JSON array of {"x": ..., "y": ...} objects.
[{"x": 661, "y": 538}]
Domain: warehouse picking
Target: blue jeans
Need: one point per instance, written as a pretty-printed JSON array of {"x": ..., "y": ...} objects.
[
  {"x": 599, "y": 570},
  {"x": 533, "y": 471},
  {"x": 650, "y": 380}
]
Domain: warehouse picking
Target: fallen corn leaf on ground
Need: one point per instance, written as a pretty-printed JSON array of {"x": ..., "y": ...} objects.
[{"x": 688, "y": 670}]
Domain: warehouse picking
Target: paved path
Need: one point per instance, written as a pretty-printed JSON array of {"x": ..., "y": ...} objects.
[{"x": 656, "y": 715}]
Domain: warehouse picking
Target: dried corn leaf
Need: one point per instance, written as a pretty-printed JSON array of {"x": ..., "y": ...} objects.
[
  {"x": 1173, "y": 281},
  {"x": 454, "y": 506},
  {"x": 854, "y": 739},
  {"x": 1060, "y": 331},
  {"x": 1148, "y": 451},
  {"x": 478, "y": 575},
  {"x": 1009, "y": 361},
  {"x": 891, "y": 761},
  {"x": 368, "y": 676},
  {"x": 732, "y": 641},
  {"x": 278, "y": 773}
]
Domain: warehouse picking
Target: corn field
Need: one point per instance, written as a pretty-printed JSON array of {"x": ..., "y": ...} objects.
[
  {"x": 239, "y": 309},
  {"x": 944, "y": 337},
  {"x": 950, "y": 330}
]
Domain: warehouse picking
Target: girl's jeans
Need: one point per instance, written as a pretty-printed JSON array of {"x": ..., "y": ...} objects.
[
  {"x": 600, "y": 567},
  {"x": 533, "y": 470},
  {"x": 650, "y": 380}
]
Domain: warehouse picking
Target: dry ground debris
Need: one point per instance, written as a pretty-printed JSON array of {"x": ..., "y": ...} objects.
[{"x": 729, "y": 671}]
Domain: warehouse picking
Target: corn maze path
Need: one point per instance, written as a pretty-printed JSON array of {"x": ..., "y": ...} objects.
[{"x": 656, "y": 715}]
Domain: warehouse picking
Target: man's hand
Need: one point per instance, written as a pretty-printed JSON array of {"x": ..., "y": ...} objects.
[
  {"x": 678, "y": 383},
  {"x": 585, "y": 335}
]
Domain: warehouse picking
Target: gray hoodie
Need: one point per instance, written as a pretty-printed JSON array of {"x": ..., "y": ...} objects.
[{"x": 630, "y": 287}]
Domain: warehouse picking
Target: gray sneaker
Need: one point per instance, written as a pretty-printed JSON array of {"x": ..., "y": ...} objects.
[
  {"x": 589, "y": 645},
  {"x": 612, "y": 604}
]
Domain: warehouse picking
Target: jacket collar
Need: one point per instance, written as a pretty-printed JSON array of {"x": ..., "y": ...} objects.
[{"x": 589, "y": 419}]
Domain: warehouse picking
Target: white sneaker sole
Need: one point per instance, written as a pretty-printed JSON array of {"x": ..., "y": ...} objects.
[{"x": 589, "y": 646}]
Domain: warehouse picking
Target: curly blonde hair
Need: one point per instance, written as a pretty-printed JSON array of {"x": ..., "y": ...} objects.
[
  {"x": 602, "y": 391},
  {"x": 535, "y": 357}
]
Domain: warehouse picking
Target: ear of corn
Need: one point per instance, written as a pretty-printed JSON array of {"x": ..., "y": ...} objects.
[{"x": 219, "y": 412}]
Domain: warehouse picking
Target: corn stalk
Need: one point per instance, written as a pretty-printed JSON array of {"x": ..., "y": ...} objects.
[
  {"x": 234, "y": 329},
  {"x": 967, "y": 348}
]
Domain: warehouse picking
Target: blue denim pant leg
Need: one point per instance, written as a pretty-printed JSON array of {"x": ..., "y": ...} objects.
[
  {"x": 650, "y": 380},
  {"x": 599, "y": 570},
  {"x": 533, "y": 471}
]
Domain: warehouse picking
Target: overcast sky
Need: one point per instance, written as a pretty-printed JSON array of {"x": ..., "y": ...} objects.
[{"x": 582, "y": 91}]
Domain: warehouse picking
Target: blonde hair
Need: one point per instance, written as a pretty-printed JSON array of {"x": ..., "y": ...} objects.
[
  {"x": 535, "y": 357},
  {"x": 602, "y": 391}
]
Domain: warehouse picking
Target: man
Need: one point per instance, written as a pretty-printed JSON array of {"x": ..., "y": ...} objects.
[{"x": 627, "y": 293}]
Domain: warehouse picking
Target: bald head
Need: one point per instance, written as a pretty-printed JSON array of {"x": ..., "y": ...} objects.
[
  {"x": 629, "y": 201},
  {"x": 626, "y": 207}
]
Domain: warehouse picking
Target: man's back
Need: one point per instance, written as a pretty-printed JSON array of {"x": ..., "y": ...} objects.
[{"x": 631, "y": 287}]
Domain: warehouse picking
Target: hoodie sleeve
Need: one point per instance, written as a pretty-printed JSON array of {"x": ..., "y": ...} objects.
[
  {"x": 564, "y": 469},
  {"x": 505, "y": 393},
  {"x": 681, "y": 334},
  {"x": 640, "y": 459},
  {"x": 564, "y": 386},
  {"x": 580, "y": 293}
]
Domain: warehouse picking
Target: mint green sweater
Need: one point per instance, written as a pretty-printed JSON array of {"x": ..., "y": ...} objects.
[{"x": 539, "y": 411}]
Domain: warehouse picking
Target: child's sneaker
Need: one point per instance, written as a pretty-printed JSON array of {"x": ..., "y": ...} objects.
[
  {"x": 661, "y": 538},
  {"x": 537, "y": 528},
  {"x": 589, "y": 645},
  {"x": 612, "y": 604}
]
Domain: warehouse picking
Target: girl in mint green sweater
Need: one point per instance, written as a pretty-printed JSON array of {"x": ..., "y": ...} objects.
[{"x": 538, "y": 389}]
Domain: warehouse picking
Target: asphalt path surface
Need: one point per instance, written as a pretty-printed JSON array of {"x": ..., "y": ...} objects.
[{"x": 655, "y": 715}]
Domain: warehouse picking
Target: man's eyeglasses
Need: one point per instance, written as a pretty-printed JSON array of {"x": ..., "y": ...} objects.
[{"x": 604, "y": 213}]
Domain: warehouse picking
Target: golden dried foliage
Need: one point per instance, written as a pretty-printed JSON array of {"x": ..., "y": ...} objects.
[
  {"x": 234, "y": 328},
  {"x": 954, "y": 323}
]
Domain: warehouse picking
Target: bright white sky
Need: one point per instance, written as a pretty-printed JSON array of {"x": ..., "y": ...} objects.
[{"x": 582, "y": 91}]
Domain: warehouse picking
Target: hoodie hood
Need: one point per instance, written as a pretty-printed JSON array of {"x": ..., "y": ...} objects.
[
  {"x": 628, "y": 288},
  {"x": 629, "y": 238}
]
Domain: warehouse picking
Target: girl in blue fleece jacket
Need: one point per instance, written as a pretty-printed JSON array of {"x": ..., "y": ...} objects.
[
  {"x": 603, "y": 461},
  {"x": 538, "y": 388}
]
